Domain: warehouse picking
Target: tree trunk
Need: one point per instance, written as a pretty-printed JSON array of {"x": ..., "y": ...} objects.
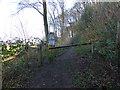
[
  {"x": 45, "y": 25},
  {"x": 45, "y": 19}
]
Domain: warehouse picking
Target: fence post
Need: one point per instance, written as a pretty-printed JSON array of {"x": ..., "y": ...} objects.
[
  {"x": 40, "y": 54},
  {"x": 27, "y": 55},
  {"x": 118, "y": 35},
  {"x": 0, "y": 68}
]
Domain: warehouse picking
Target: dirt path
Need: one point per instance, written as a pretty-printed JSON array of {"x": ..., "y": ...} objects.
[
  {"x": 73, "y": 71},
  {"x": 54, "y": 75}
]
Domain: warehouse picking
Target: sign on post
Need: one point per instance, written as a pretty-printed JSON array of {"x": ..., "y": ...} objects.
[{"x": 51, "y": 40}]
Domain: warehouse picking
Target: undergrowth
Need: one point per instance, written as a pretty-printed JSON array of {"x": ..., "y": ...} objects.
[
  {"x": 17, "y": 71},
  {"x": 55, "y": 53}
]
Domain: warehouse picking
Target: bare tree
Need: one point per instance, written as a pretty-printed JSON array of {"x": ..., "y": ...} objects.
[
  {"x": 62, "y": 16},
  {"x": 53, "y": 13},
  {"x": 37, "y": 5}
]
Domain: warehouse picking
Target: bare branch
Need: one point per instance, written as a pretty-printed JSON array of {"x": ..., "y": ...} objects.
[
  {"x": 27, "y": 5},
  {"x": 36, "y": 9}
]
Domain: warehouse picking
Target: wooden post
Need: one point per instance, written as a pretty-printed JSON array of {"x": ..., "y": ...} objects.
[
  {"x": 118, "y": 35},
  {"x": 0, "y": 68},
  {"x": 92, "y": 48},
  {"x": 118, "y": 43},
  {"x": 26, "y": 56},
  {"x": 0, "y": 75},
  {"x": 47, "y": 51},
  {"x": 39, "y": 54}
]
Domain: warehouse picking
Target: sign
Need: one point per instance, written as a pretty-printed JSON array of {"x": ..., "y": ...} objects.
[
  {"x": 51, "y": 39},
  {"x": 51, "y": 42}
]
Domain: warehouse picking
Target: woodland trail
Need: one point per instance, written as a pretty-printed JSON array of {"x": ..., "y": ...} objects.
[
  {"x": 54, "y": 75},
  {"x": 71, "y": 70}
]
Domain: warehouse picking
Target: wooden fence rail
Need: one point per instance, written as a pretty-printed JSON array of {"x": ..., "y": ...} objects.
[
  {"x": 39, "y": 50},
  {"x": 27, "y": 53},
  {"x": 70, "y": 46}
]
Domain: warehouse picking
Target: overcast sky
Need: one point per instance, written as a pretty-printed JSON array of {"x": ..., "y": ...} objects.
[{"x": 30, "y": 18}]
